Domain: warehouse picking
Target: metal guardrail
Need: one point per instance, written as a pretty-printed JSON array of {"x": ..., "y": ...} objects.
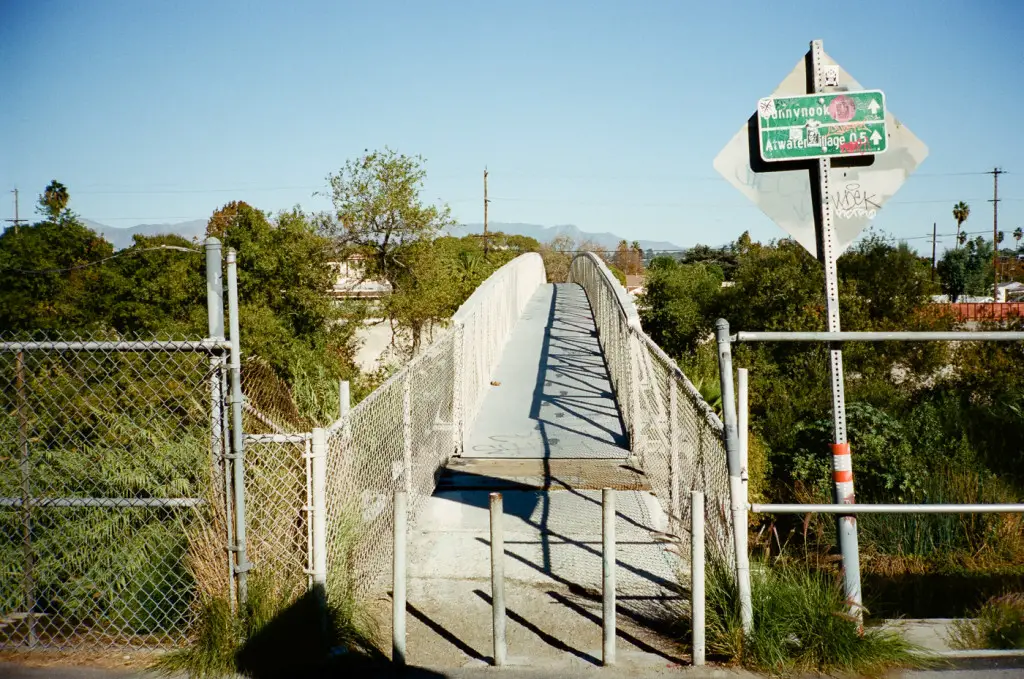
[
  {"x": 952, "y": 336},
  {"x": 888, "y": 509}
]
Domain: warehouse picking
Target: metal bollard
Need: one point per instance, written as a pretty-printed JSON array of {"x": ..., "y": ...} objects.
[
  {"x": 398, "y": 598},
  {"x": 697, "y": 576},
  {"x": 608, "y": 558},
  {"x": 344, "y": 398},
  {"x": 498, "y": 579}
]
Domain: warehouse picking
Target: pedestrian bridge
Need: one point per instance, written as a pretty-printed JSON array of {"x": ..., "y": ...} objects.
[{"x": 547, "y": 393}]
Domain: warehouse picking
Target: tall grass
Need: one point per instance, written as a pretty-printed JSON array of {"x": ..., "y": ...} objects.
[
  {"x": 801, "y": 624},
  {"x": 998, "y": 623}
]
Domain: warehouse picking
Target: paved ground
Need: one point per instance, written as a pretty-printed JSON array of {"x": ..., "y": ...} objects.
[
  {"x": 554, "y": 397},
  {"x": 987, "y": 670}
]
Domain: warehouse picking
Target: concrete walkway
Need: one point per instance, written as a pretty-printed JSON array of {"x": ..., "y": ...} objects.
[
  {"x": 554, "y": 397},
  {"x": 549, "y": 436}
]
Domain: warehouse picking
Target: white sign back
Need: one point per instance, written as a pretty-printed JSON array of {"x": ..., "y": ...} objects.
[{"x": 856, "y": 194}]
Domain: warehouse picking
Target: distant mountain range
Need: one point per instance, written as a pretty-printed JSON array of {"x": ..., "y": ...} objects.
[
  {"x": 545, "y": 234},
  {"x": 121, "y": 237}
]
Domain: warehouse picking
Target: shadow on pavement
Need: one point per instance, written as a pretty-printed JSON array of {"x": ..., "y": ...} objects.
[
  {"x": 302, "y": 642},
  {"x": 549, "y": 639}
]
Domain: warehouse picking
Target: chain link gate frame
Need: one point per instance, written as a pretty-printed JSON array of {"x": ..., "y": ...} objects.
[{"x": 120, "y": 505}]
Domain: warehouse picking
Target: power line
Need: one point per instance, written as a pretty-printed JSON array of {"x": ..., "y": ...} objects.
[
  {"x": 532, "y": 175},
  {"x": 122, "y": 253}
]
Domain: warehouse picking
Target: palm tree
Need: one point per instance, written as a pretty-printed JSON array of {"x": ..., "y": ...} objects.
[
  {"x": 999, "y": 237},
  {"x": 1018, "y": 233},
  {"x": 961, "y": 211},
  {"x": 961, "y": 238},
  {"x": 54, "y": 200}
]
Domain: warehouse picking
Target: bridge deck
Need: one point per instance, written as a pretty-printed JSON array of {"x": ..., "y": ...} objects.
[{"x": 553, "y": 397}]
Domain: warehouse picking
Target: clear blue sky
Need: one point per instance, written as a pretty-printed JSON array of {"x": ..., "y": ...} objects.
[{"x": 606, "y": 115}]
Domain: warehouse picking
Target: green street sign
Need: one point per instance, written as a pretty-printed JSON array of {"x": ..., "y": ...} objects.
[{"x": 838, "y": 124}]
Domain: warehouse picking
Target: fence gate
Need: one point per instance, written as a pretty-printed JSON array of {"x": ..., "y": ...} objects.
[{"x": 113, "y": 520}]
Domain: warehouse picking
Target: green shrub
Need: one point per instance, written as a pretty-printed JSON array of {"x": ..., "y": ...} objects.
[
  {"x": 999, "y": 623},
  {"x": 801, "y": 624}
]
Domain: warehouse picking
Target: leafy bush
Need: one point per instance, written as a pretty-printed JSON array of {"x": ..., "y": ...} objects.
[{"x": 885, "y": 465}]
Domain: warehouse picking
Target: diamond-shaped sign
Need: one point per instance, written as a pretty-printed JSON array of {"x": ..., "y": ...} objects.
[{"x": 856, "y": 193}]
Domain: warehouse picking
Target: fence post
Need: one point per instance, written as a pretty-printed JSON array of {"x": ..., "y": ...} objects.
[
  {"x": 458, "y": 389},
  {"x": 319, "y": 474},
  {"x": 608, "y": 568},
  {"x": 743, "y": 396},
  {"x": 220, "y": 433},
  {"x": 498, "y": 579},
  {"x": 697, "y": 611},
  {"x": 237, "y": 443},
  {"x": 407, "y": 428},
  {"x": 344, "y": 398},
  {"x": 28, "y": 583},
  {"x": 398, "y": 594},
  {"x": 635, "y": 416},
  {"x": 732, "y": 449},
  {"x": 673, "y": 447}
]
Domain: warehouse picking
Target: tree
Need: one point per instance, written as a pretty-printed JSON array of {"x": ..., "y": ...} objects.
[
  {"x": 961, "y": 211},
  {"x": 675, "y": 306},
  {"x": 557, "y": 257},
  {"x": 961, "y": 238},
  {"x": 379, "y": 212},
  {"x": 1018, "y": 233},
  {"x": 159, "y": 291},
  {"x": 967, "y": 270},
  {"x": 378, "y": 207},
  {"x": 1000, "y": 237},
  {"x": 284, "y": 278},
  {"x": 53, "y": 203},
  {"x": 46, "y": 283},
  {"x": 892, "y": 279}
]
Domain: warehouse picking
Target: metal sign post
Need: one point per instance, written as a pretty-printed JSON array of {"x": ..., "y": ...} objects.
[{"x": 842, "y": 470}]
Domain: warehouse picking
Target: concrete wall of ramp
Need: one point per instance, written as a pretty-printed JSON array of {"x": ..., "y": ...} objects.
[{"x": 483, "y": 325}]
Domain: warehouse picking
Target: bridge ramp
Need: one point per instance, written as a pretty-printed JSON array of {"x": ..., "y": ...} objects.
[{"x": 549, "y": 437}]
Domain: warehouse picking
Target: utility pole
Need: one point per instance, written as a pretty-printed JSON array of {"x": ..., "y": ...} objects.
[
  {"x": 995, "y": 231},
  {"x": 933, "y": 252},
  {"x": 16, "y": 221},
  {"x": 486, "y": 201}
]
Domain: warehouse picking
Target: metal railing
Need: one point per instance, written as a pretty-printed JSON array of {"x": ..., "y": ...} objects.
[
  {"x": 673, "y": 432},
  {"x": 736, "y": 435}
]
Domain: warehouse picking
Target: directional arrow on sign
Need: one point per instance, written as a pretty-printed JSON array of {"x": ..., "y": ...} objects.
[
  {"x": 873, "y": 107},
  {"x": 875, "y": 137},
  {"x": 857, "y": 191}
]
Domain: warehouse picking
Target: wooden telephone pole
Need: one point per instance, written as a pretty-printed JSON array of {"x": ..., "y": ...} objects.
[
  {"x": 933, "y": 251},
  {"x": 995, "y": 231},
  {"x": 486, "y": 201},
  {"x": 16, "y": 221}
]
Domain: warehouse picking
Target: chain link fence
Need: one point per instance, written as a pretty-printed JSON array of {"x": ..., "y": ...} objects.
[
  {"x": 112, "y": 504},
  {"x": 674, "y": 433}
]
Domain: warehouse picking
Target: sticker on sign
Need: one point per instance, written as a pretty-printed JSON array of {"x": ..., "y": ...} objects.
[{"x": 822, "y": 125}]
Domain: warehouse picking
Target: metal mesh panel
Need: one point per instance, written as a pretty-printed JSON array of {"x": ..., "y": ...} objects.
[
  {"x": 269, "y": 405},
  {"x": 111, "y": 492},
  {"x": 278, "y": 532},
  {"x": 398, "y": 438},
  {"x": 364, "y": 468},
  {"x": 661, "y": 427}
]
